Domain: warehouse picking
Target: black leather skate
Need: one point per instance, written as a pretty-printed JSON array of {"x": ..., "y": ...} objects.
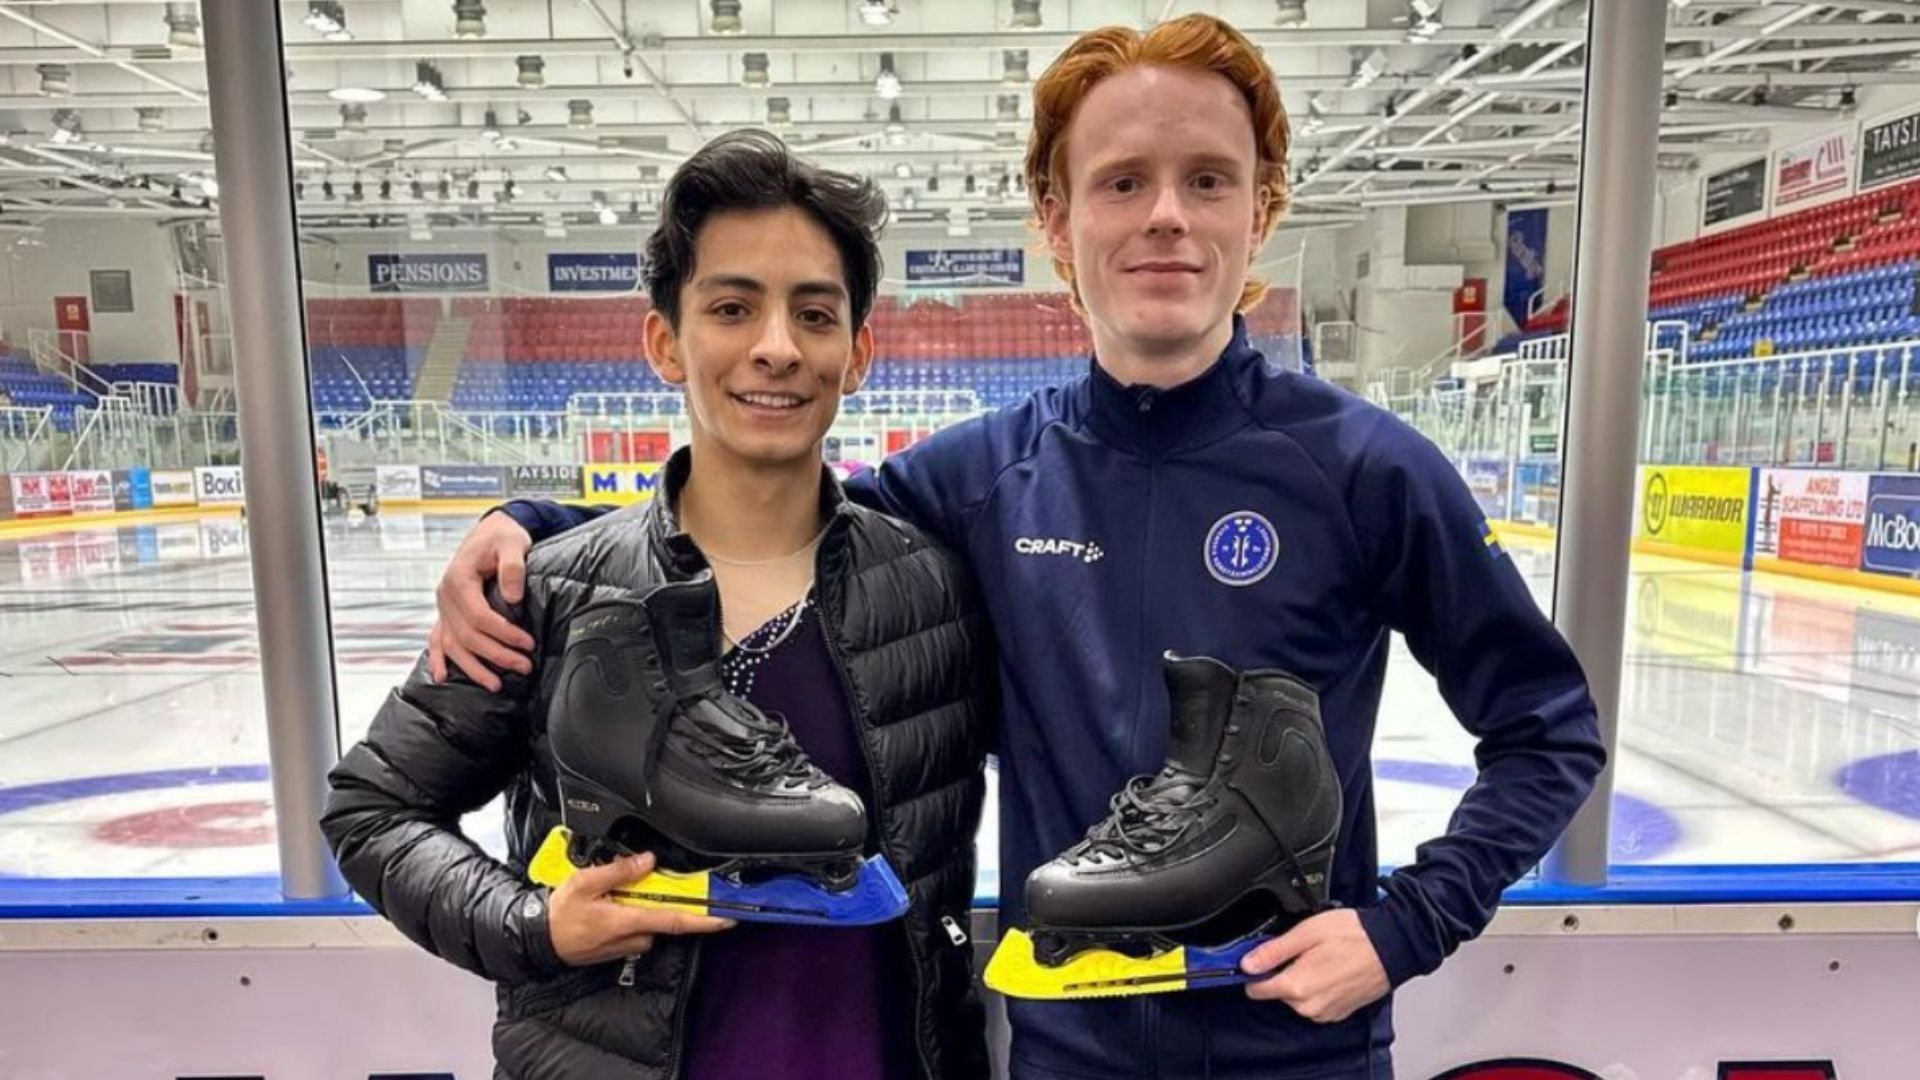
[
  {"x": 652, "y": 754},
  {"x": 1233, "y": 839}
]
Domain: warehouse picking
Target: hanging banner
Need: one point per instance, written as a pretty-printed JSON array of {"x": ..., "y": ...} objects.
[
  {"x": 38, "y": 495},
  {"x": 462, "y": 481},
  {"x": 92, "y": 491},
  {"x": 621, "y": 484},
  {"x": 1817, "y": 170},
  {"x": 552, "y": 481},
  {"x": 132, "y": 489},
  {"x": 967, "y": 267},
  {"x": 1811, "y": 516},
  {"x": 616, "y": 271},
  {"x": 1890, "y": 152},
  {"x": 1704, "y": 508},
  {"x": 218, "y": 485},
  {"x": 389, "y": 273},
  {"x": 1526, "y": 261},
  {"x": 396, "y": 483},
  {"x": 1892, "y": 541},
  {"x": 1736, "y": 193},
  {"x": 173, "y": 488}
]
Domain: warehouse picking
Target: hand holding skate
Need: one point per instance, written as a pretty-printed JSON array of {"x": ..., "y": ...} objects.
[
  {"x": 469, "y": 632},
  {"x": 652, "y": 754},
  {"x": 588, "y": 926},
  {"x": 1195, "y": 865},
  {"x": 1327, "y": 967}
]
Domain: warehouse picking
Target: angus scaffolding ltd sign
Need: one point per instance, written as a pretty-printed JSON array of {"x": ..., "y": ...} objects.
[{"x": 427, "y": 273}]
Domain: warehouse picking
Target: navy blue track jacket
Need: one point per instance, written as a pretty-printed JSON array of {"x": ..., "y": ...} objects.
[{"x": 1272, "y": 521}]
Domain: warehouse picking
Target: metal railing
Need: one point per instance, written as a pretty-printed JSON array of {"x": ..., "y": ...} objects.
[
  {"x": 1855, "y": 408},
  {"x": 27, "y": 438}
]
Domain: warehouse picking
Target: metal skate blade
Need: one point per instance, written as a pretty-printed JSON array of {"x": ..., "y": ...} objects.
[{"x": 1102, "y": 973}]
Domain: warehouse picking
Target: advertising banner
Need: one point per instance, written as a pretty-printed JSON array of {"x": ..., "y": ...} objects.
[
  {"x": 967, "y": 267},
  {"x": 1892, "y": 541},
  {"x": 1706, "y": 508},
  {"x": 1816, "y": 170},
  {"x": 616, "y": 271},
  {"x": 1890, "y": 152},
  {"x": 462, "y": 482},
  {"x": 1811, "y": 516},
  {"x": 397, "y": 483},
  {"x": 218, "y": 485},
  {"x": 1526, "y": 261},
  {"x": 621, "y": 484},
  {"x": 92, "y": 491},
  {"x": 1735, "y": 193},
  {"x": 391, "y": 273},
  {"x": 38, "y": 495},
  {"x": 1490, "y": 482},
  {"x": 132, "y": 489},
  {"x": 552, "y": 481},
  {"x": 173, "y": 488}
]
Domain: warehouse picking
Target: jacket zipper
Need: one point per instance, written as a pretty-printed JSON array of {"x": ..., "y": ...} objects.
[
  {"x": 830, "y": 634},
  {"x": 682, "y": 993}
]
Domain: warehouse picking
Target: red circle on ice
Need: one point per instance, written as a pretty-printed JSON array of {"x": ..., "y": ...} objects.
[{"x": 240, "y": 823}]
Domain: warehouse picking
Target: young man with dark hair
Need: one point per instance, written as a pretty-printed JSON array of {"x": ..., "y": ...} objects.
[
  {"x": 764, "y": 270},
  {"x": 1265, "y": 519}
]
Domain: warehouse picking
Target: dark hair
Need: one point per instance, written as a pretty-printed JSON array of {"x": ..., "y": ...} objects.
[{"x": 751, "y": 169}]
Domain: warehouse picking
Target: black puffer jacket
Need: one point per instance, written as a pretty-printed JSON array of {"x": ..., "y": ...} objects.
[{"x": 913, "y": 649}]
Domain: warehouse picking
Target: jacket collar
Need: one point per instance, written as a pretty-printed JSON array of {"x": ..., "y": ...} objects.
[
  {"x": 677, "y": 548},
  {"x": 1153, "y": 420}
]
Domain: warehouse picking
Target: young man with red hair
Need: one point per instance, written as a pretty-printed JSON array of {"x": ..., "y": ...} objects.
[{"x": 1260, "y": 517}]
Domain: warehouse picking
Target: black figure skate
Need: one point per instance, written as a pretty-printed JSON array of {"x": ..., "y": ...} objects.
[
  {"x": 653, "y": 754},
  {"x": 1230, "y": 843}
]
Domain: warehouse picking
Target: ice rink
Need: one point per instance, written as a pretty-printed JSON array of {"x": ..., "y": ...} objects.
[{"x": 1765, "y": 719}]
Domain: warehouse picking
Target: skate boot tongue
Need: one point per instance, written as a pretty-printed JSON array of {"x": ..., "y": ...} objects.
[{"x": 1200, "y": 691}]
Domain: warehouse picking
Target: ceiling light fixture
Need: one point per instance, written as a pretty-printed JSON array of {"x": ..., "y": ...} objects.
[
  {"x": 726, "y": 17},
  {"x": 427, "y": 81},
  {"x": 887, "y": 83},
  {"x": 533, "y": 71},
  {"x": 66, "y": 126},
  {"x": 469, "y": 19},
  {"x": 328, "y": 18},
  {"x": 753, "y": 70},
  {"x": 56, "y": 80},
  {"x": 183, "y": 26},
  {"x": 1013, "y": 67},
  {"x": 876, "y": 12}
]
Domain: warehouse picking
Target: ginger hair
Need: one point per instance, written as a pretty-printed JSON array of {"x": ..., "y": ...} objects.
[{"x": 1192, "y": 42}]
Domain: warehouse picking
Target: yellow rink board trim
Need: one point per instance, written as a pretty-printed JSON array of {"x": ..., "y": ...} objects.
[
  {"x": 552, "y": 867},
  {"x": 1897, "y": 590}
]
